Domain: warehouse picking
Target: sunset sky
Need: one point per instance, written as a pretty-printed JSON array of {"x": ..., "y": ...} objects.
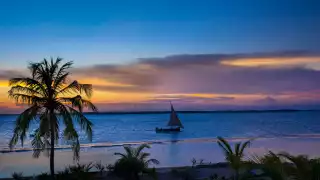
[{"x": 199, "y": 54}]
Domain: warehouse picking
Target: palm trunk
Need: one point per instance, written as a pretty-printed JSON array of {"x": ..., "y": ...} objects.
[
  {"x": 237, "y": 175},
  {"x": 52, "y": 147},
  {"x": 52, "y": 155},
  {"x": 136, "y": 176}
]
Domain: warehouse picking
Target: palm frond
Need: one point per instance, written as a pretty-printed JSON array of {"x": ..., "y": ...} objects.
[
  {"x": 270, "y": 164},
  {"x": 301, "y": 166},
  {"x": 140, "y": 148},
  {"x": 153, "y": 161},
  {"x": 86, "y": 89},
  {"x": 75, "y": 102},
  {"x": 64, "y": 113},
  {"x": 37, "y": 144},
  {"x": 76, "y": 150},
  {"x": 120, "y": 154},
  {"x": 26, "y": 99},
  {"x": 84, "y": 123},
  {"x": 143, "y": 156},
  {"x": 129, "y": 150},
  {"x": 61, "y": 75},
  {"x": 25, "y": 90},
  {"x": 30, "y": 83},
  {"x": 76, "y": 87},
  {"x": 237, "y": 149},
  {"x": 59, "y": 82},
  {"x": 89, "y": 105},
  {"x": 35, "y": 69},
  {"x": 224, "y": 144},
  {"x": 69, "y": 132},
  {"x": 22, "y": 124},
  {"x": 244, "y": 146},
  {"x": 54, "y": 65},
  {"x": 269, "y": 158},
  {"x": 63, "y": 68},
  {"x": 69, "y": 89},
  {"x": 79, "y": 103}
]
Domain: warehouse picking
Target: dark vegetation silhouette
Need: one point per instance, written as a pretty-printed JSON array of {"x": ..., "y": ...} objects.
[
  {"x": 134, "y": 162},
  {"x": 51, "y": 100}
]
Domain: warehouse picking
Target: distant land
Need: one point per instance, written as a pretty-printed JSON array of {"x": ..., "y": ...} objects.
[{"x": 193, "y": 112}]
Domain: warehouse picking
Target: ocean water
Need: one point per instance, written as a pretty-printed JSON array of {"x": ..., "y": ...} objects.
[
  {"x": 294, "y": 132},
  {"x": 117, "y": 129}
]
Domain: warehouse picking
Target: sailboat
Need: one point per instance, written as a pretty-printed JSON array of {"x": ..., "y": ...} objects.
[{"x": 174, "y": 124}]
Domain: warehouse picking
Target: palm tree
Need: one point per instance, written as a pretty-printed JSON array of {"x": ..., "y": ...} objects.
[
  {"x": 233, "y": 157},
  {"x": 134, "y": 162},
  {"x": 51, "y": 100}
]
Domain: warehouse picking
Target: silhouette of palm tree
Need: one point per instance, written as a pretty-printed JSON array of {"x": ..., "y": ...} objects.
[
  {"x": 233, "y": 156},
  {"x": 133, "y": 162},
  {"x": 45, "y": 94}
]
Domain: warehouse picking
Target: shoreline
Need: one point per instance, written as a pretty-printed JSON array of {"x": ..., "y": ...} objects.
[{"x": 153, "y": 142}]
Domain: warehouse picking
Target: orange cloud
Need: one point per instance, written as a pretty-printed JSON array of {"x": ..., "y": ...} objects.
[{"x": 309, "y": 62}]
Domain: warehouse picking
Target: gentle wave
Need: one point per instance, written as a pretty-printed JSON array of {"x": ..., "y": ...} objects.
[{"x": 191, "y": 140}]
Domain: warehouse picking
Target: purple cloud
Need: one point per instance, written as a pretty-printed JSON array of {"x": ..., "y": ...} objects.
[{"x": 205, "y": 74}]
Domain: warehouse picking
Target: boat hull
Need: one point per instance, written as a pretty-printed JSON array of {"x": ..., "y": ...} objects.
[{"x": 166, "y": 130}]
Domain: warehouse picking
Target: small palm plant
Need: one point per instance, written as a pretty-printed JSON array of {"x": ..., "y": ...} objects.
[
  {"x": 101, "y": 168},
  {"x": 134, "y": 162},
  {"x": 302, "y": 167},
  {"x": 271, "y": 164},
  {"x": 234, "y": 156},
  {"x": 17, "y": 175},
  {"x": 81, "y": 171}
]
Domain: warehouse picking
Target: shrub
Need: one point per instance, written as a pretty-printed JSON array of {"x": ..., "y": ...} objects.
[{"x": 17, "y": 175}]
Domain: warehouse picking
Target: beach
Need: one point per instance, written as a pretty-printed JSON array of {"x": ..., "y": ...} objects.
[{"x": 169, "y": 154}]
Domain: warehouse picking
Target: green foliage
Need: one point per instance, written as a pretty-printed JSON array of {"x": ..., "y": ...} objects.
[
  {"x": 234, "y": 156},
  {"x": 285, "y": 166},
  {"x": 51, "y": 100},
  {"x": 80, "y": 168},
  {"x": 101, "y": 168},
  {"x": 110, "y": 167},
  {"x": 43, "y": 176},
  {"x": 271, "y": 164},
  {"x": 17, "y": 175},
  {"x": 81, "y": 171},
  {"x": 196, "y": 163},
  {"x": 64, "y": 175},
  {"x": 133, "y": 163},
  {"x": 302, "y": 167}
]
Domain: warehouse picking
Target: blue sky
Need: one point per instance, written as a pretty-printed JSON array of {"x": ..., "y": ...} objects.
[
  {"x": 99, "y": 32},
  {"x": 94, "y": 34}
]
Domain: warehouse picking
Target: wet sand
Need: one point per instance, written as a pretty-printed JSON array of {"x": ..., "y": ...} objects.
[{"x": 169, "y": 154}]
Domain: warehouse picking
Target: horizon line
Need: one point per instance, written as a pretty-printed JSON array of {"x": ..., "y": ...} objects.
[{"x": 191, "y": 111}]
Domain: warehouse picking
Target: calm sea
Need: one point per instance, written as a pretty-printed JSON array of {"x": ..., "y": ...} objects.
[{"x": 115, "y": 129}]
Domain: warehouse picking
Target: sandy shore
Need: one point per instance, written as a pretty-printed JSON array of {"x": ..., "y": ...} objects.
[{"x": 169, "y": 155}]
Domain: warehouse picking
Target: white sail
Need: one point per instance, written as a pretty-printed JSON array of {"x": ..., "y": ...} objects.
[{"x": 174, "y": 120}]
